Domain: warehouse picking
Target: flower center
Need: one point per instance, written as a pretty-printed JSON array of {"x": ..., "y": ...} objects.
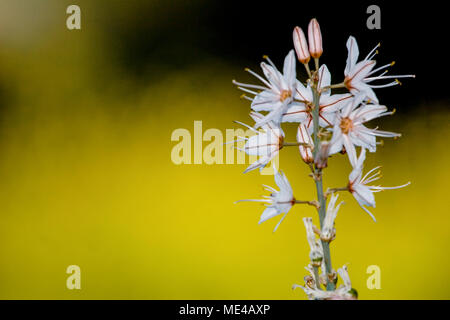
[
  {"x": 348, "y": 83},
  {"x": 285, "y": 94},
  {"x": 346, "y": 125}
]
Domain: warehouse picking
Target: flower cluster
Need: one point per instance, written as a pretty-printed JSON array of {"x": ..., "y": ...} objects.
[{"x": 328, "y": 123}]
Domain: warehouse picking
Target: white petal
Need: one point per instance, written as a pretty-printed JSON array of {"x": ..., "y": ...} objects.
[
  {"x": 365, "y": 89},
  {"x": 324, "y": 79},
  {"x": 334, "y": 102},
  {"x": 360, "y": 71},
  {"x": 261, "y": 144},
  {"x": 363, "y": 195},
  {"x": 368, "y": 112},
  {"x": 264, "y": 101},
  {"x": 273, "y": 76},
  {"x": 268, "y": 213},
  {"x": 360, "y": 137},
  {"x": 261, "y": 162},
  {"x": 361, "y": 158},
  {"x": 353, "y": 53},
  {"x": 303, "y": 93},
  {"x": 295, "y": 113},
  {"x": 289, "y": 70},
  {"x": 348, "y": 106},
  {"x": 336, "y": 140},
  {"x": 350, "y": 149},
  {"x": 279, "y": 222}
]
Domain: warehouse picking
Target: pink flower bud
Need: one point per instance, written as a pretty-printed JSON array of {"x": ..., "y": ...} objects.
[
  {"x": 304, "y": 137},
  {"x": 315, "y": 39},
  {"x": 301, "y": 45}
]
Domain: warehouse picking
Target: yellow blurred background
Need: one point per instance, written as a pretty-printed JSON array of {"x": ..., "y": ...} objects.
[{"x": 86, "y": 178}]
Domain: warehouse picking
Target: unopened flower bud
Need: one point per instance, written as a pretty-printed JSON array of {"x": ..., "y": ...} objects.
[
  {"x": 301, "y": 45},
  {"x": 304, "y": 137},
  {"x": 321, "y": 160},
  {"x": 315, "y": 39}
]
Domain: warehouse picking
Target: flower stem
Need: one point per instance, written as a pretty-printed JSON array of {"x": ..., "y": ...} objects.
[
  {"x": 296, "y": 144},
  {"x": 319, "y": 187},
  {"x": 316, "y": 277}
]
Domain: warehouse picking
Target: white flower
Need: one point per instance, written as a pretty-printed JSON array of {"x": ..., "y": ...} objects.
[
  {"x": 278, "y": 92},
  {"x": 279, "y": 201},
  {"x": 357, "y": 185},
  {"x": 358, "y": 76},
  {"x": 349, "y": 130},
  {"x": 304, "y": 137},
  {"x": 266, "y": 143},
  {"x": 302, "y": 108},
  {"x": 328, "y": 231}
]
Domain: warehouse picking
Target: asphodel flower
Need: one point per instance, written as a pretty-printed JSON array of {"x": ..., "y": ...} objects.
[
  {"x": 358, "y": 184},
  {"x": 315, "y": 39},
  {"x": 359, "y": 76},
  {"x": 277, "y": 93},
  {"x": 278, "y": 202},
  {"x": 266, "y": 143},
  {"x": 302, "y": 109},
  {"x": 349, "y": 130}
]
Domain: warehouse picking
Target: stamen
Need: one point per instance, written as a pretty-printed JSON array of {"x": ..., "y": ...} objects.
[
  {"x": 270, "y": 61},
  {"x": 253, "y": 200},
  {"x": 248, "y": 91},
  {"x": 258, "y": 77},
  {"x": 254, "y": 86},
  {"x": 390, "y": 188},
  {"x": 390, "y": 84},
  {"x": 374, "y": 51},
  {"x": 377, "y": 175},
  {"x": 246, "y": 125},
  {"x": 380, "y": 68},
  {"x": 394, "y": 76},
  {"x": 274, "y": 76},
  {"x": 243, "y": 96},
  {"x": 369, "y": 79},
  {"x": 237, "y": 140}
]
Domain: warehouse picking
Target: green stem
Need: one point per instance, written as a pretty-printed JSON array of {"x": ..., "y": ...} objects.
[
  {"x": 319, "y": 187},
  {"x": 316, "y": 277}
]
